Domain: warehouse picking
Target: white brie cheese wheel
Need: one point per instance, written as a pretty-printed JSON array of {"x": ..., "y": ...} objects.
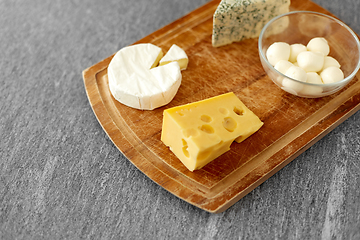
[
  {"x": 135, "y": 81},
  {"x": 175, "y": 54}
]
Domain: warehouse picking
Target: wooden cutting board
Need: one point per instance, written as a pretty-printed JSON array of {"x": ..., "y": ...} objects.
[{"x": 291, "y": 124}]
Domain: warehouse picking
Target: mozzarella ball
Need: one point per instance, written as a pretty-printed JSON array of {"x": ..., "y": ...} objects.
[
  {"x": 330, "y": 62},
  {"x": 311, "y": 61},
  {"x": 278, "y": 51},
  {"x": 295, "y": 49},
  {"x": 279, "y": 80},
  {"x": 331, "y": 75},
  {"x": 290, "y": 90},
  {"x": 318, "y": 44},
  {"x": 282, "y": 66},
  {"x": 296, "y": 73},
  {"x": 312, "y": 77},
  {"x": 292, "y": 86}
]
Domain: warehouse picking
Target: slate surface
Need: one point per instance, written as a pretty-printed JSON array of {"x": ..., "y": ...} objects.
[{"x": 62, "y": 178}]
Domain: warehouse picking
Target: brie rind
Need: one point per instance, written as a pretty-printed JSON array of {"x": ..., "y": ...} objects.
[
  {"x": 135, "y": 81},
  {"x": 175, "y": 54}
]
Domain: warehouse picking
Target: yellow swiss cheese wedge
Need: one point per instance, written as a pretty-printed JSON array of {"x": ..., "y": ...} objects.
[{"x": 199, "y": 132}]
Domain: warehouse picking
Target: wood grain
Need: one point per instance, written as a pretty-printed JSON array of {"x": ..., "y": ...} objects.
[{"x": 291, "y": 124}]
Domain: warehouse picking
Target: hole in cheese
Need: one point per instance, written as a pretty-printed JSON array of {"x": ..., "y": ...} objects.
[
  {"x": 238, "y": 111},
  {"x": 190, "y": 132},
  {"x": 229, "y": 124},
  {"x": 207, "y": 129},
  {"x": 239, "y": 139},
  {"x": 205, "y": 118},
  {"x": 185, "y": 148},
  {"x": 203, "y": 155},
  {"x": 223, "y": 111}
]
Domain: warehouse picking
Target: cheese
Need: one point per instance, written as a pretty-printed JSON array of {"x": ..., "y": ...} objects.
[
  {"x": 136, "y": 81},
  {"x": 311, "y": 61},
  {"x": 236, "y": 20},
  {"x": 283, "y": 65},
  {"x": 278, "y": 51},
  {"x": 330, "y": 62},
  {"x": 331, "y": 75},
  {"x": 295, "y": 50},
  {"x": 319, "y": 44},
  {"x": 175, "y": 54},
  {"x": 312, "y": 77},
  {"x": 312, "y": 65},
  {"x": 199, "y": 132}
]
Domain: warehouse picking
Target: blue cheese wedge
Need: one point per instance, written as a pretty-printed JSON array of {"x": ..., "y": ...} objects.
[{"x": 237, "y": 20}]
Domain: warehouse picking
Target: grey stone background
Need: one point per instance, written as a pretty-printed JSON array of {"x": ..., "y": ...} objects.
[{"x": 62, "y": 178}]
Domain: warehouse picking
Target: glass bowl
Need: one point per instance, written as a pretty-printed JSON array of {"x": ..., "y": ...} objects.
[{"x": 301, "y": 27}]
